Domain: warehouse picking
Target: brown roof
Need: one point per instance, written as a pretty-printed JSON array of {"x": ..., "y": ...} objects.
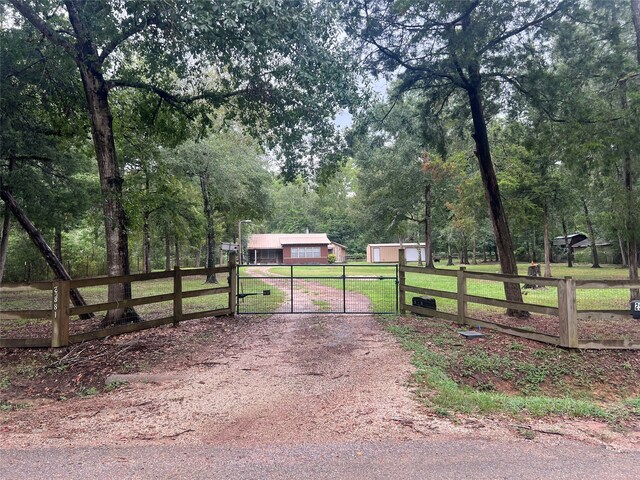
[{"x": 260, "y": 241}]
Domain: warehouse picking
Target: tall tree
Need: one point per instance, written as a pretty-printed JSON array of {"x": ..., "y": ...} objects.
[
  {"x": 269, "y": 61},
  {"x": 453, "y": 46},
  {"x": 232, "y": 179}
]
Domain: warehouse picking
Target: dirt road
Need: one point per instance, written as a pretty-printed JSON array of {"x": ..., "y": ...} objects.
[
  {"x": 293, "y": 396},
  {"x": 288, "y": 379}
]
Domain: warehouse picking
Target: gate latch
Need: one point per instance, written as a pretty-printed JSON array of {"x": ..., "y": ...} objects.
[{"x": 264, "y": 292}]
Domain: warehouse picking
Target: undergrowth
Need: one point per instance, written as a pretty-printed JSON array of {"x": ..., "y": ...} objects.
[{"x": 438, "y": 390}]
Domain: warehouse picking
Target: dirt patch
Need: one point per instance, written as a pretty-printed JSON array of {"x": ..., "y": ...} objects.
[
  {"x": 281, "y": 379},
  {"x": 514, "y": 365},
  {"x": 285, "y": 379}
]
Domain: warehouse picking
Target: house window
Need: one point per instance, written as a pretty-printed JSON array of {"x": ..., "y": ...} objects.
[{"x": 305, "y": 252}]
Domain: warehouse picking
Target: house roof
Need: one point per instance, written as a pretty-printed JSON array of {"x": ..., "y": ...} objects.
[
  {"x": 573, "y": 239},
  {"x": 587, "y": 243},
  {"x": 262, "y": 241},
  {"x": 395, "y": 245}
]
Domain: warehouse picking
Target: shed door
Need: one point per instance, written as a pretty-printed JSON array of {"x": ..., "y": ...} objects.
[
  {"x": 411, "y": 254},
  {"x": 376, "y": 254}
]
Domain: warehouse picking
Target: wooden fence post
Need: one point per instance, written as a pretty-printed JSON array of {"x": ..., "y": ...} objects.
[
  {"x": 462, "y": 291},
  {"x": 233, "y": 284},
  {"x": 568, "y": 313},
  {"x": 177, "y": 295},
  {"x": 60, "y": 334},
  {"x": 402, "y": 280}
]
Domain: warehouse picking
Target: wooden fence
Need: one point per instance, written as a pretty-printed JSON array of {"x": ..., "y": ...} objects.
[
  {"x": 61, "y": 310},
  {"x": 566, "y": 310}
]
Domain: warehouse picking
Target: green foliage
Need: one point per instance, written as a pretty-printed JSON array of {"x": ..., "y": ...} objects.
[
  {"x": 331, "y": 258},
  {"x": 446, "y": 395}
]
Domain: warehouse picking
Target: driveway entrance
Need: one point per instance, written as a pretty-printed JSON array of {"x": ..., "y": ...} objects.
[{"x": 355, "y": 289}]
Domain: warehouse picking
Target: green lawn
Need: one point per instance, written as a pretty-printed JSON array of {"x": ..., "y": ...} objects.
[
  {"x": 610, "y": 299},
  {"x": 28, "y": 299},
  {"x": 381, "y": 292}
]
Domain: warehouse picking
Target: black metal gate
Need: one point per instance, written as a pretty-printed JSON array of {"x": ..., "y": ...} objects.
[{"x": 354, "y": 289}]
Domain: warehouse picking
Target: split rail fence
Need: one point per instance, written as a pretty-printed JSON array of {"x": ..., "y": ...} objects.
[
  {"x": 563, "y": 323},
  {"x": 56, "y": 327}
]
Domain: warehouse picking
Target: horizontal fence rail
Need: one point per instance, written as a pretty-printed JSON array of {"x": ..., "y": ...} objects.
[
  {"x": 60, "y": 312},
  {"x": 564, "y": 313}
]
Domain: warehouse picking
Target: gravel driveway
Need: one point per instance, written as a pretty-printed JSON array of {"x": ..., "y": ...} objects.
[{"x": 334, "y": 388}]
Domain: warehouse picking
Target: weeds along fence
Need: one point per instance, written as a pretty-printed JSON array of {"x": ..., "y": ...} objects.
[
  {"x": 561, "y": 311},
  {"x": 41, "y": 314}
]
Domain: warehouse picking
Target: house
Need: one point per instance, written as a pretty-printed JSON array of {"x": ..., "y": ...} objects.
[
  {"x": 293, "y": 248},
  {"x": 388, "y": 252}
]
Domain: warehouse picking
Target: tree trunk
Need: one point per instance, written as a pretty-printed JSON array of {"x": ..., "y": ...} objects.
[
  {"x": 211, "y": 234},
  {"x": 632, "y": 253},
  {"x": 115, "y": 221},
  {"x": 594, "y": 248},
  {"x": 449, "y": 256},
  {"x": 623, "y": 251},
  {"x": 547, "y": 243},
  {"x": 167, "y": 252},
  {"x": 498, "y": 216},
  {"x": 146, "y": 243},
  {"x": 474, "y": 258},
  {"x": 198, "y": 257},
  {"x": 6, "y": 228},
  {"x": 177, "y": 246},
  {"x": 635, "y": 14},
  {"x": 4, "y": 240},
  {"x": 146, "y": 230},
  {"x": 57, "y": 244},
  {"x": 566, "y": 245},
  {"x": 42, "y": 246},
  {"x": 630, "y": 200},
  {"x": 464, "y": 257},
  {"x": 428, "y": 226},
  {"x": 420, "y": 264}
]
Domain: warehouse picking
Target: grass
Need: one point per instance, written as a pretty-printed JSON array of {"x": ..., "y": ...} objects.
[
  {"x": 323, "y": 305},
  {"x": 20, "y": 299},
  {"x": 606, "y": 299},
  {"x": 442, "y": 393},
  {"x": 259, "y": 303},
  {"x": 380, "y": 291}
]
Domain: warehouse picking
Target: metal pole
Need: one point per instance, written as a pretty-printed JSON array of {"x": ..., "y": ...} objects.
[
  {"x": 344, "y": 289},
  {"x": 240, "y": 242},
  {"x": 291, "y": 288},
  {"x": 397, "y": 284}
]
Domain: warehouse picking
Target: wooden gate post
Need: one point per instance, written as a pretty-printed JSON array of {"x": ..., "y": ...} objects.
[
  {"x": 402, "y": 281},
  {"x": 60, "y": 334},
  {"x": 233, "y": 282},
  {"x": 568, "y": 313},
  {"x": 462, "y": 291},
  {"x": 177, "y": 295}
]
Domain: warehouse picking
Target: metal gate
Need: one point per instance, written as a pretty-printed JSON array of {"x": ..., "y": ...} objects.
[{"x": 354, "y": 289}]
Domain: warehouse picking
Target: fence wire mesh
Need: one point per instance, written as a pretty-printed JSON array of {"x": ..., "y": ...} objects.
[
  {"x": 317, "y": 289},
  {"x": 22, "y": 299}
]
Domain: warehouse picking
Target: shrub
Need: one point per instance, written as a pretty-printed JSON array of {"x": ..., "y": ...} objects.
[{"x": 332, "y": 258}]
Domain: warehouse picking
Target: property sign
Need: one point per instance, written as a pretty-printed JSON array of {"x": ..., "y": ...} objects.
[{"x": 233, "y": 247}]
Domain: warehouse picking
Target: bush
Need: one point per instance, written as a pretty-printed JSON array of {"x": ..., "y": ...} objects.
[{"x": 332, "y": 258}]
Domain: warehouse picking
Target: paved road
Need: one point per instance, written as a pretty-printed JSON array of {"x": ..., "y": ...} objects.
[{"x": 429, "y": 459}]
